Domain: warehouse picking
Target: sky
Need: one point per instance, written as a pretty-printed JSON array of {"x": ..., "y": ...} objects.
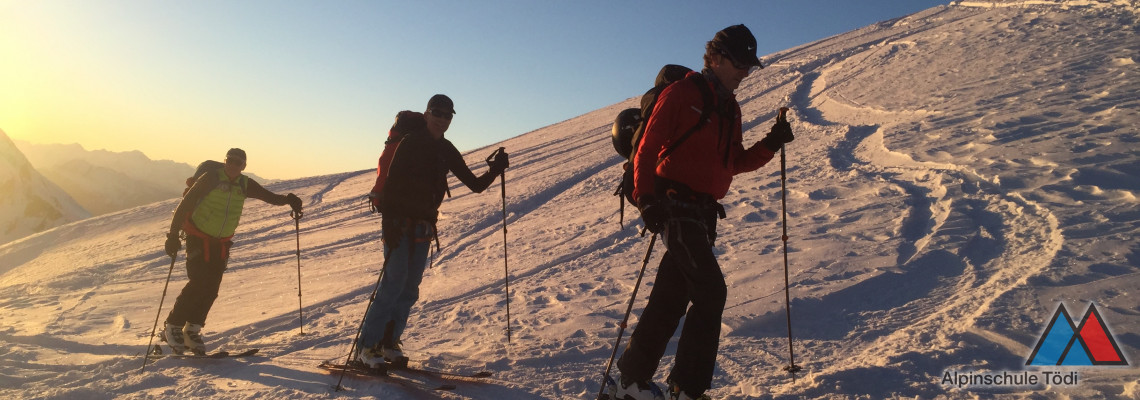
[{"x": 310, "y": 88}]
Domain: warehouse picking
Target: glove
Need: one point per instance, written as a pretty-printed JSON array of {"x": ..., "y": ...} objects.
[
  {"x": 499, "y": 162},
  {"x": 781, "y": 133},
  {"x": 374, "y": 200},
  {"x": 652, "y": 213},
  {"x": 294, "y": 202},
  {"x": 173, "y": 244}
]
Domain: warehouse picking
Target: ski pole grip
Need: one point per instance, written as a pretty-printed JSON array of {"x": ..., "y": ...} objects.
[
  {"x": 495, "y": 153},
  {"x": 783, "y": 117}
]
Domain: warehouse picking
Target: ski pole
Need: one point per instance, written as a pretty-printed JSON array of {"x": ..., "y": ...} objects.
[
  {"x": 159, "y": 313},
  {"x": 297, "y": 228},
  {"x": 792, "y": 368},
  {"x": 371, "y": 299},
  {"x": 506, "y": 269},
  {"x": 628, "y": 310}
]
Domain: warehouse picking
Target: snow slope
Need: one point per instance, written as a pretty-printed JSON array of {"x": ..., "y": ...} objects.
[{"x": 957, "y": 174}]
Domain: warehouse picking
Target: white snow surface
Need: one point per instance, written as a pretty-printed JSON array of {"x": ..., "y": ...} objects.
[{"x": 956, "y": 175}]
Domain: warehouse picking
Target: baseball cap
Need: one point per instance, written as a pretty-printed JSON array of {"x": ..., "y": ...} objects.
[
  {"x": 738, "y": 43},
  {"x": 441, "y": 102}
]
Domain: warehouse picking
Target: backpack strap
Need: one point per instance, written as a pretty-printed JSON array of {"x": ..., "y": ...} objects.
[{"x": 706, "y": 112}]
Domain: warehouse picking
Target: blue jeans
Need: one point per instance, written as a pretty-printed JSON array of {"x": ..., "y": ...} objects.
[{"x": 400, "y": 285}]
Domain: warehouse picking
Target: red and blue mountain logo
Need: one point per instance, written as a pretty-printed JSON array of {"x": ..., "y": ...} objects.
[{"x": 1088, "y": 343}]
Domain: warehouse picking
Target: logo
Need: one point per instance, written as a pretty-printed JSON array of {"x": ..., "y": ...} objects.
[{"x": 1088, "y": 343}]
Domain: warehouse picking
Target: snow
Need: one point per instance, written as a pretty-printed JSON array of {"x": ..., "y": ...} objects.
[{"x": 957, "y": 174}]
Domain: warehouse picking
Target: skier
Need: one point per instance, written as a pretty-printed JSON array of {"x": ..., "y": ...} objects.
[
  {"x": 410, "y": 185},
  {"x": 677, "y": 197},
  {"x": 209, "y": 214}
]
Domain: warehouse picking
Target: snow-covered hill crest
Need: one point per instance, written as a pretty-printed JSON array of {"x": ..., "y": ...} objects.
[{"x": 957, "y": 174}]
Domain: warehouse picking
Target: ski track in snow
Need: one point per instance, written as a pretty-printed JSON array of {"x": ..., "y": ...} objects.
[{"x": 986, "y": 225}]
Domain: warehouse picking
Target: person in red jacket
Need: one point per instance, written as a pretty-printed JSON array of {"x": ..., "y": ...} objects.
[{"x": 678, "y": 197}]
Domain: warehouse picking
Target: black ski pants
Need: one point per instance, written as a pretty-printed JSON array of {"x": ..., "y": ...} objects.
[
  {"x": 205, "y": 262},
  {"x": 688, "y": 273}
]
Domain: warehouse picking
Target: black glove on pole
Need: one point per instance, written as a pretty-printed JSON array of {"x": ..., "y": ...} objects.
[
  {"x": 781, "y": 133},
  {"x": 786, "y": 132},
  {"x": 158, "y": 314},
  {"x": 173, "y": 244},
  {"x": 652, "y": 213},
  {"x": 498, "y": 161}
]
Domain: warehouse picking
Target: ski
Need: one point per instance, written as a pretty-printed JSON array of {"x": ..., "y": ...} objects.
[
  {"x": 470, "y": 377},
  {"x": 335, "y": 368},
  {"x": 401, "y": 364},
  {"x": 214, "y": 355}
]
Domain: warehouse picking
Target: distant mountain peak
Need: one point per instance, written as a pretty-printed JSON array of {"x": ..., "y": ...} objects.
[{"x": 32, "y": 203}]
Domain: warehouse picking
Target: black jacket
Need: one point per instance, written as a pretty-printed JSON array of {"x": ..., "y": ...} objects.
[{"x": 417, "y": 178}]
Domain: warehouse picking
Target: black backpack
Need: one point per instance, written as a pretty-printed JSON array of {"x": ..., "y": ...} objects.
[
  {"x": 203, "y": 168},
  {"x": 630, "y": 125}
]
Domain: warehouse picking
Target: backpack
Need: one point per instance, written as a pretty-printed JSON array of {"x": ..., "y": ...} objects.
[
  {"x": 204, "y": 167},
  {"x": 407, "y": 122},
  {"x": 630, "y": 125}
]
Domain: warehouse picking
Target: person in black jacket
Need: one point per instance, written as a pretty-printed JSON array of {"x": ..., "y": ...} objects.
[{"x": 411, "y": 184}]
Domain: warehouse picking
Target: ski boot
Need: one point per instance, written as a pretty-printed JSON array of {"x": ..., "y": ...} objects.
[
  {"x": 393, "y": 355},
  {"x": 675, "y": 393},
  {"x": 172, "y": 335},
  {"x": 193, "y": 338},
  {"x": 609, "y": 389},
  {"x": 630, "y": 390},
  {"x": 389, "y": 347},
  {"x": 373, "y": 359}
]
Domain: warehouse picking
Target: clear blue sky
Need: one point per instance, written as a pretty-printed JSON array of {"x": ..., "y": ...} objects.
[{"x": 311, "y": 87}]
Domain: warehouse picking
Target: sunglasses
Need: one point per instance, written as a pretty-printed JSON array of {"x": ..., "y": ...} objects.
[
  {"x": 441, "y": 114},
  {"x": 735, "y": 64}
]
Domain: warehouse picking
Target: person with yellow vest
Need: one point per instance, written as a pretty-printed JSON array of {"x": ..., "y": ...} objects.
[{"x": 209, "y": 214}]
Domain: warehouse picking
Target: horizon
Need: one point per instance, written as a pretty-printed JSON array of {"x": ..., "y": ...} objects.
[{"x": 186, "y": 82}]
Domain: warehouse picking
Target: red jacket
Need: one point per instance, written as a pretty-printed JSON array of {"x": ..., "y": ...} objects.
[{"x": 699, "y": 161}]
